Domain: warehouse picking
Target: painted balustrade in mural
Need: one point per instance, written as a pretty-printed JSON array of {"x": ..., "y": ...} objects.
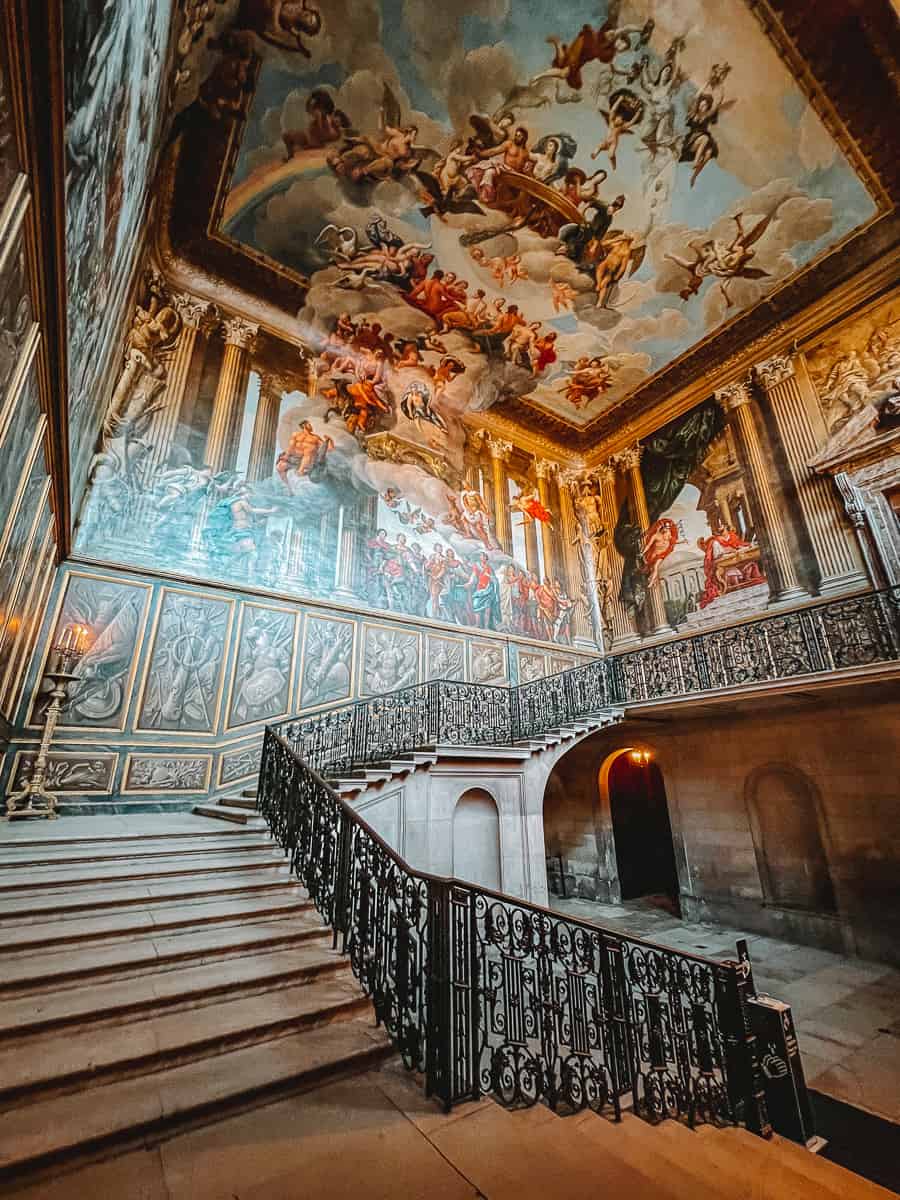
[{"x": 486, "y": 994}]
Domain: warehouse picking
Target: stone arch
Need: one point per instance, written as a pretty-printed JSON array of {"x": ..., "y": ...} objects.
[
  {"x": 476, "y": 839},
  {"x": 790, "y": 838}
]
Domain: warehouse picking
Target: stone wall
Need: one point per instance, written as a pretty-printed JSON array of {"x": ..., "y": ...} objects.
[{"x": 787, "y": 823}]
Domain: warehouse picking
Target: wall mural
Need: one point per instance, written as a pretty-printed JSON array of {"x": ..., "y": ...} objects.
[
  {"x": 15, "y": 310},
  {"x": 184, "y": 683},
  {"x": 857, "y": 372},
  {"x": 265, "y": 485},
  {"x": 17, "y": 445},
  {"x": 115, "y": 106},
  {"x": 521, "y": 200},
  {"x": 115, "y": 613},
  {"x": 9, "y": 156}
]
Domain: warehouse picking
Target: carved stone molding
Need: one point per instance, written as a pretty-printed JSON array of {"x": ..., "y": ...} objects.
[
  {"x": 498, "y": 448},
  {"x": 773, "y": 371},
  {"x": 195, "y": 313},
  {"x": 545, "y": 468},
  {"x": 630, "y": 458}
]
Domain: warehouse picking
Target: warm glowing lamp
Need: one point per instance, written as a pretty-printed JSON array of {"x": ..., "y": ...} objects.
[
  {"x": 640, "y": 758},
  {"x": 34, "y": 800}
]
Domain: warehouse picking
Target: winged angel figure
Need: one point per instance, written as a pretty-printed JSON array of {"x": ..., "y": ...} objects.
[
  {"x": 391, "y": 153},
  {"x": 724, "y": 260}
]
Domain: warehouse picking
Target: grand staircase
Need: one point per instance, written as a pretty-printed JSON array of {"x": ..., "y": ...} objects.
[
  {"x": 174, "y": 1023},
  {"x": 148, "y": 983}
]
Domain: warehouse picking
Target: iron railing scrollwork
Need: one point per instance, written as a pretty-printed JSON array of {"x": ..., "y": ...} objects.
[{"x": 487, "y": 994}]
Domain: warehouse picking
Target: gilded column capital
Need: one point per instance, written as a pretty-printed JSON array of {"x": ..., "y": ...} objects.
[
  {"x": 606, "y": 472},
  {"x": 498, "y": 449},
  {"x": 194, "y": 313},
  {"x": 628, "y": 459},
  {"x": 545, "y": 468},
  {"x": 735, "y": 395},
  {"x": 239, "y": 332},
  {"x": 774, "y": 370}
]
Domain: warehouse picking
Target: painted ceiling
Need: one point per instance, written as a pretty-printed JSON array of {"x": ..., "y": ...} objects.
[{"x": 537, "y": 202}]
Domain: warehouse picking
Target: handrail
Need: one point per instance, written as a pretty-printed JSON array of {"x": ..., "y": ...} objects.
[{"x": 487, "y": 994}]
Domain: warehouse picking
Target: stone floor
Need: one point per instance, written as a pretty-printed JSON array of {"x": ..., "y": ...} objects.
[{"x": 847, "y": 1011}]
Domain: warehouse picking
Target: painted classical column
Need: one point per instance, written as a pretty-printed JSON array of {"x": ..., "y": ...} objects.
[
  {"x": 221, "y": 447},
  {"x": 736, "y": 401},
  {"x": 500, "y": 452},
  {"x": 544, "y": 470},
  {"x": 264, "y": 442},
  {"x": 630, "y": 461},
  {"x": 801, "y": 428},
  {"x": 579, "y": 565},
  {"x": 196, "y": 325},
  {"x": 621, "y": 628},
  {"x": 347, "y": 546}
]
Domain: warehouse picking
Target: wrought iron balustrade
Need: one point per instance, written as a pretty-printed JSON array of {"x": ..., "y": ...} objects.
[
  {"x": 836, "y": 635},
  {"x": 486, "y": 994}
]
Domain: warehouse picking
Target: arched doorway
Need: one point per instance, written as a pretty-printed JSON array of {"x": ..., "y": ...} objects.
[
  {"x": 642, "y": 833},
  {"x": 476, "y": 839},
  {"x": 785, "y": 818}
]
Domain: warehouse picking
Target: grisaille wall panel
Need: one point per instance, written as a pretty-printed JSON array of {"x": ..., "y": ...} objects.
[
  {"x": 261, "y": 681},
  {"x": 115, "y": 611},
  {"x": 327, "y": 674},
  {"x": 182, "y": 690}
]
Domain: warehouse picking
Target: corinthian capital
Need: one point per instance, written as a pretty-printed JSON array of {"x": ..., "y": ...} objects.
[
  {"x": 239, "y": 332},
  {"x": 774, "y": 370},
  {"x": 734, "y": 395},
  {"x": 498, "y": 449},
  {"x": 194, "y": 313},
  {"x": 544, "y": 468},
  {"x": 629, "y": 459}
]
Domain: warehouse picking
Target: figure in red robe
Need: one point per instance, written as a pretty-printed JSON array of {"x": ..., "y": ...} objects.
[{"x": 659, "y": 542}]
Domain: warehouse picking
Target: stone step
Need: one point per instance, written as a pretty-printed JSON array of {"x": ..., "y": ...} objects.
[
  {"x": 32, "y": 972},
  {"x": 118, "y": 839},
  {"x": 250, "y": 793},
  {"x": 15, "y": 938},
  {"x": 807, "y": 1175},
  {"x": 237, "y": 802},
  {"x": 224, "y": 812},
  {"x": 55, "y": 1064},
  {"x": 179, "y": 987},
  {"x": 86, "y": 1124},
  {"x": 31, "y": 856},
  {"x": 17, "y": 881},
  {"x": 40, "y": 907}
]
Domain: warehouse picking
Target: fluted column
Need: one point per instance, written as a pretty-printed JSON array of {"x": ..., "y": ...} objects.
[
  {"x": 345, "y": 568},
  {"x": 736, "y": 401},
  {"x": 630, "y": 461},
  {"x": 196, "y": 324},
  {"x": 801, "y": 429},
  {"x": 621, "y": 628},
  {"x": 231, "y": 390},
  {"x": 500, "y": 452},
  {"x": 544, "y": 470},
  {"x": 264, "y": 442}
]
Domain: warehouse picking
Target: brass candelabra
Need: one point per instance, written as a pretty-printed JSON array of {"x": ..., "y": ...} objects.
[{"x": 35, "y": 799}]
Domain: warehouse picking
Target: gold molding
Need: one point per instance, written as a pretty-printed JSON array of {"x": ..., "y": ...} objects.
[
  {"x": 292, "y": 668},
  {"x": 138, "y": 642},
  {"x": 35, "y": 604},
  {"x": 229, "y": 603},
  {"x": 255, "y": 741}
]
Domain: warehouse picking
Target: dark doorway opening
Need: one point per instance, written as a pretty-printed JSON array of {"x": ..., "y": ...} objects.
[{"x": 643, "y": 835}]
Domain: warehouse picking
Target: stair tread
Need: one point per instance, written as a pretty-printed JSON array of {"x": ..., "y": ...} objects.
[
  {"x": 41, "y": 1060},
  {"x": 57, "y": 877},
  {"x": 62, "y": 1125},
  {"x": 97, "y": 895},
  {"x": 15, "y": 857},
  {"x": 182, "y": 983},
  {"x": 129, "y": 954},
  {"x": 128, "y": 921}
]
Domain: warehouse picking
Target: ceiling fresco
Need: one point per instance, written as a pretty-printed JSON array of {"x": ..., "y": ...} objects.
[{"x": 547, "y": 203}]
